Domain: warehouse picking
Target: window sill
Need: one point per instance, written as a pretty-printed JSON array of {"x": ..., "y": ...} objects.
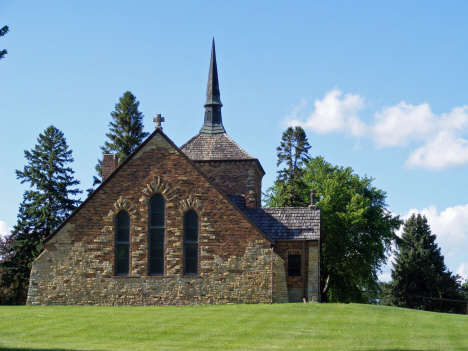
[{"x": 154, "y": 276}]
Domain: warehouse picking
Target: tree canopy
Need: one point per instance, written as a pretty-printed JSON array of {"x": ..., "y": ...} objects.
[
  {"x": 126, "y": 131},
  {"x": 48, "y": 202},
  {"x": 419, "y": 270},
  {"x": 358, "y": 227},
  {"x": 359, "y": 230}
]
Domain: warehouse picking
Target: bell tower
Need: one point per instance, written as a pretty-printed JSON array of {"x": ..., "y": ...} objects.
[{"x": 227, "y": 165}]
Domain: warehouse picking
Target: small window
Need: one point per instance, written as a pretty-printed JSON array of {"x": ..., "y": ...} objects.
[
  {"x": 294, "y": 265},
  {"x": 122, "y": 243},
  {"x": 191, "y": 243},
  {"x": 156, "y": 235}
]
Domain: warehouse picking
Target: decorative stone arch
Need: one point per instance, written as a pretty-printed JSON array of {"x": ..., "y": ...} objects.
[
  {"x": 158, "y": 186},
  {"x": 191, "y": 203},
  {"x": 122, "y": 204}
]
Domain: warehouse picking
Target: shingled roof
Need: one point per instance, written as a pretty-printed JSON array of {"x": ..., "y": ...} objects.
[
  {"x": 286, "y": 223},
  {"x": 214, "y": 147}
]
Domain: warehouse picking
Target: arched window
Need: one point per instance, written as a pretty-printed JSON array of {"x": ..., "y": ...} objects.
[
  {"x": 156, "y": 235},
  {"x": 191, "y": 243},
  {"x": 122, "y": 243}
]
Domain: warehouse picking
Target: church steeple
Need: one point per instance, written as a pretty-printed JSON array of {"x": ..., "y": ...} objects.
[{"x": 213, "y": 120}]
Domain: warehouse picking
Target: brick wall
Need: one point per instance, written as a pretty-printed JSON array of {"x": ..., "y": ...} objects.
[
  {"x": 77, "y": 266},
  {"x": 236, "y": 178}
]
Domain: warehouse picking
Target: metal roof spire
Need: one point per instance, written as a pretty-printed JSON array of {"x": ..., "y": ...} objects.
[{"x": 213, "y": 120}]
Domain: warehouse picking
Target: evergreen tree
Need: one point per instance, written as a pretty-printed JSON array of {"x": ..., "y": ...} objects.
[
  {"x": 50, "y": 202},
  {"x": 126, "y": 132},
  {"x": 44, "y": 207},
  {"x": 3, "y": 31},
  {"x": 24, "y": 247},
  {"x": 420, "y": 270},
  {"x": 289, "y": 187}
]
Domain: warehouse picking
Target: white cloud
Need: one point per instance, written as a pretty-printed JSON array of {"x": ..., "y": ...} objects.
[
  {"x": 463, "y": 270},
  {"x": 4, "y": 230},
  {"x": 444, "y": 151},
  {"x": 385, "y": 277},
  {"x": 437, "y": 141},
  {"x": 443, "y": 145},
  {"x": 398, "y": 125},
  {"x": 335, "y": 113}
]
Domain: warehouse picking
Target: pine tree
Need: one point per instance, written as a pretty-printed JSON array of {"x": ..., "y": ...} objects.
[
  {"x": 126, "y": 131},
  {"x": 419, "y": 270},
  {"x": 47, "y": 173},
  {"x": 289, "y": 188},
  {"x": 44, "y": 207},
  {"x": 3, "y": 31}
]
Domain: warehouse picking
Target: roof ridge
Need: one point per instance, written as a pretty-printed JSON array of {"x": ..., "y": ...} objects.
[
  {"x": 227, "y": 136},
  {"x": 189, "y": 141}
]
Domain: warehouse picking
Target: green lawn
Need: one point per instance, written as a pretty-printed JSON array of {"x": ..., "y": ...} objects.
[{"x": 232, "y": 327}]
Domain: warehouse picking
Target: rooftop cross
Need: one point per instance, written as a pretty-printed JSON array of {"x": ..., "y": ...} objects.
[{"x": 158, "y": 119}]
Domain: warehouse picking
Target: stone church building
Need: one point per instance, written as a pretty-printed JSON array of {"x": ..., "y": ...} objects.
[{"x": 181, "y": 226}]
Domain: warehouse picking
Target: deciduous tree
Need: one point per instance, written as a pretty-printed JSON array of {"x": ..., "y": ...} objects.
[
  {"x": 358, "y": 227},
  {"x": 359, "y": 230}
]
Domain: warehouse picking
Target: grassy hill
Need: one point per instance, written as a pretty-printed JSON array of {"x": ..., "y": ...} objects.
[{"x": 232, "y": 327}]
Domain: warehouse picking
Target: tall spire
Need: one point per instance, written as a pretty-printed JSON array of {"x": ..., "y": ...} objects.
[{"x": 213, "y": 120}]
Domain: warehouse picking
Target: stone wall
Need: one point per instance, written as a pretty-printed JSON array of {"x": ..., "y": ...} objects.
[
  {"x": 313, "y": 287},
  {"x": 294, "y": 283},
  {"x": 236, "y": 178},
  {"x": 77, "y": 266}
]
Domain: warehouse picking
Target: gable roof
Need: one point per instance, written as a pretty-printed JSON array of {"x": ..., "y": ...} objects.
[
  {"x": 214, "y": 147},
  {"x": 287, "y": 223},
  {"x": 142, "y": 145}
]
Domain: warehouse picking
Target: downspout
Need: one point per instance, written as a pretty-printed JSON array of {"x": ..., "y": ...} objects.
[
  {"x": 304, "y": 296},
  {"x": 271, "y": 291}
]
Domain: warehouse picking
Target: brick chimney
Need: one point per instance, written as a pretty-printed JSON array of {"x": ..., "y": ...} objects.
[{"x": 109, "y": 164}]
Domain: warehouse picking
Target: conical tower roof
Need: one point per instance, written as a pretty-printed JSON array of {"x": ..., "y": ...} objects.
[
  {"x": 214, "y": 147},
  {"x": 213, "y": 120},
  {"x": 212, "y": 143},
  {"x": 213, "y": 97}
]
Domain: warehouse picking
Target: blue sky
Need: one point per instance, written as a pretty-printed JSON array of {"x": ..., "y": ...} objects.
[{"x": 378, "y": 86}]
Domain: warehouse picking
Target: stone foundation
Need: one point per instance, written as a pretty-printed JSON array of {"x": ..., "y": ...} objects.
[{"x": 69, "y": 276}]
